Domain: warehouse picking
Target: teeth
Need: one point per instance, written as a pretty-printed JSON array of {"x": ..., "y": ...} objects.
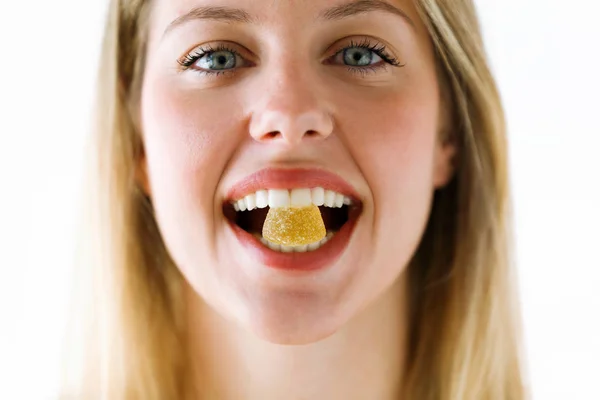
[
  {"x": 301, "y": 249},
  {"x": 262, "y": 199},
  {"x": 250, "y": 202},
  {"x": 300, "y": 197},
  {"x": 339, "y": 200},
  {"x": 318, "y": 196},
  {"x": 329, "y": 198},
  {"x": 314, "y": 246},
  {"x": 241, "y": 204},
  {"x": 274, "y": 246},
  {"x": 296, "y": 249},
  {"x": 287, "y": 249},
  {"x": 279, "y": 198}
]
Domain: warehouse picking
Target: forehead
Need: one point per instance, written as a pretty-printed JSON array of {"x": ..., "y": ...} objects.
[{"x": 169, "y": 15}]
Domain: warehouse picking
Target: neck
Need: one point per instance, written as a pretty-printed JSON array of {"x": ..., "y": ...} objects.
[{"x": 363, "y": 360}]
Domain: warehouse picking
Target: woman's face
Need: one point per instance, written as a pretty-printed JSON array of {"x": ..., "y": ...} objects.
[{"x": 243, "y": 96}]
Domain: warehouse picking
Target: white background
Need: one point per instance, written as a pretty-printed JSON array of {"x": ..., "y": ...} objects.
[{"x": 546, "y": 56}]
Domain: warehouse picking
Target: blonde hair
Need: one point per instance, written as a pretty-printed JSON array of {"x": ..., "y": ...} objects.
[{"x": 465, "y": 334}]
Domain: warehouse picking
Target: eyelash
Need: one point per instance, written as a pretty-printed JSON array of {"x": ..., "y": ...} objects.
[{"x": 189, "y": 59}]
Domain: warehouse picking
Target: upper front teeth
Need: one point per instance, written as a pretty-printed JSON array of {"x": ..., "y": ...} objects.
[{"x": 291, "y": 198}]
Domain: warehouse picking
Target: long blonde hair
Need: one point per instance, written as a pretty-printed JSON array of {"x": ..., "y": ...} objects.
[{"x": 465, "y": 334}]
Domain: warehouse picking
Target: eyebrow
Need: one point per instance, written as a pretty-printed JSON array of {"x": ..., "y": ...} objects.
[
  {"x": 360, "y": 7},
  {"x": 237, "y": 15}
]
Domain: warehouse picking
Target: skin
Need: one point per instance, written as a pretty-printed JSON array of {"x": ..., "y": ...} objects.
[{"x": 289, "y": 105}]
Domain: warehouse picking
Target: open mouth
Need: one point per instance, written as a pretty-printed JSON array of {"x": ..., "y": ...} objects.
[{"x": 250, "y": 212}]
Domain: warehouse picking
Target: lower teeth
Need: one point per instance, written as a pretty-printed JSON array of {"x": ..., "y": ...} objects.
[{"x": 297, "y": 249}]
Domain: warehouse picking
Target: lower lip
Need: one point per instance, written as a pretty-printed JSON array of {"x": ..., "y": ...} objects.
[{"x": 308, "y": 261}]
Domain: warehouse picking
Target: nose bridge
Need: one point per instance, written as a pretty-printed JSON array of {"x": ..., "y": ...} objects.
[
  {"x": 289, "y": 105},
  {"x": 293, "y": 82}
]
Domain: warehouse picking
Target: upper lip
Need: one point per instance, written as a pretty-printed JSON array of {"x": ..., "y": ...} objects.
[{"x": 278, "y": 178}]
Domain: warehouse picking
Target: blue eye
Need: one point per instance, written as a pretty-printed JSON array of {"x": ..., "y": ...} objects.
[
  {"x": 365, "y": 57},
  {"x": 359, "y": 55},
  {"x": 217, "y": 60},
  {"x": 211, "y": 61}
]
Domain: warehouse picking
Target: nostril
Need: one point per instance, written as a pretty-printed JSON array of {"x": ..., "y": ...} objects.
[{"x": 277, "y": 134}]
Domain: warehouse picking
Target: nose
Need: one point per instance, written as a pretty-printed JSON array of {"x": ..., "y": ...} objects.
[{"x": 290, "y": 108}]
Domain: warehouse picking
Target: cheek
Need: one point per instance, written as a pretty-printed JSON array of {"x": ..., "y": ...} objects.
[
  {"x": 187, "y": 141},
  {"x": 394, "y": 145}
]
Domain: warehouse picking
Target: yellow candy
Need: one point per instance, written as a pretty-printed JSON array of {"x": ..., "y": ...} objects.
[{"x": 291, "y": 226}]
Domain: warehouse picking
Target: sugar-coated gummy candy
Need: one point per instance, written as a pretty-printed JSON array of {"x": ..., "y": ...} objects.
[{"x": 294, "y": 226}]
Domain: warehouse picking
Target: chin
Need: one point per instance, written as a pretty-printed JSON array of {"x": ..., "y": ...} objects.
[
  {"x": 291, "y": 335},
  {"x": 301, "y": 323}
]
